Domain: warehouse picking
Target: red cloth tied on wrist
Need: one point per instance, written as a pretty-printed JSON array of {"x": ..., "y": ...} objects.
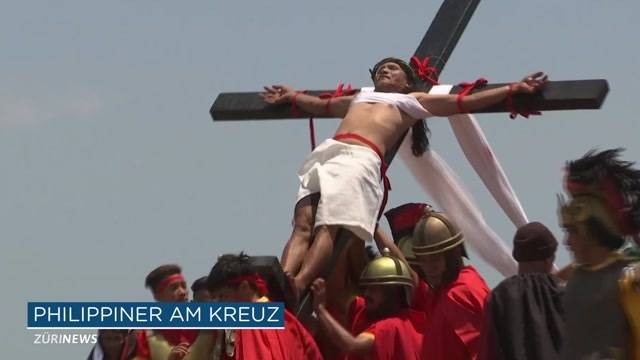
[
  {"x": 341, "y": 90},
  {"x": 294, "y": 107},
  {"x": 295, "y": 112},
  {"x": 513, "y": 113},
  {"x": 467, "y": 88},
  {"x": 255, "y": 279},
  {"x": 424, "y": 71}
]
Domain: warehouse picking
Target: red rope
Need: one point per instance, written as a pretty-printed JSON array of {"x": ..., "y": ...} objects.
[
  {"x": 513, "y": 112},
  {"x": 294, "y": 106},
  {"x": 466, "y": 90},
  {"x": 341, "y": 90},
  {"x": 424, "y": 71}
]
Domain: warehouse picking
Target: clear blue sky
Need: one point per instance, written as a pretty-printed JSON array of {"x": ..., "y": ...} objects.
[{"x": 112, "y": 165}]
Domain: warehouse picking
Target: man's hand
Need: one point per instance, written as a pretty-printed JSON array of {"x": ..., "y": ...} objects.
[
  {"x": 277, "y": 94},
  {"x": 319, "y": 289},
  {"x": 179, "y": 351},
  {"x": 531, "y": 84}
]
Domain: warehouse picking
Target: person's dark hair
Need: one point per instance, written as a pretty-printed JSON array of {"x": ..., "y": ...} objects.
[
  {"x": 200, "y": 284},
  {"x": 419, "y": 137},
  {"x": 230, "y": 266},
  {"x": 408, "y": 70},
  {"x": 419, "y": 131},
  {"x": 160, "y": 273}
]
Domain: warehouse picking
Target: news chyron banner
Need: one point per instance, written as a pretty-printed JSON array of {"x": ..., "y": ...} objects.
[{"x": 154, "y": 315}]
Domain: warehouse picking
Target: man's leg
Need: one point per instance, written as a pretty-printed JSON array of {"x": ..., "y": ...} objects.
[
  {"x": 300, "y": 239},
  {"x": 316, "y": 259}
]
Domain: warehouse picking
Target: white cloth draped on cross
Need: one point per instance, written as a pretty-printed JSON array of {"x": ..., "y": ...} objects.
[{"x": 447, "y": 190}]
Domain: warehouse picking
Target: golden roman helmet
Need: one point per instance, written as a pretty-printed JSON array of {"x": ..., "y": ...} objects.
[
  {"x": 435, "y": 233},
  {"x": 386, "y": 270}
]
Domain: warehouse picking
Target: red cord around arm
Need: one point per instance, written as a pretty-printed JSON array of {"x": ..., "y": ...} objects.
[{"x": 466, "y": 90}]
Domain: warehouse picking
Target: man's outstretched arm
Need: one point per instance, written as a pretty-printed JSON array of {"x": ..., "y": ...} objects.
[
  {"x": 282, "y": 94},
  {"x": 445, "y": 105}
]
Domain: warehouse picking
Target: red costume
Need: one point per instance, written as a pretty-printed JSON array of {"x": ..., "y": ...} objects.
[
  {"x": 294, "y": 342},
  {"x": 454, "y": 316},
  {"x": 397, "y": 337}
]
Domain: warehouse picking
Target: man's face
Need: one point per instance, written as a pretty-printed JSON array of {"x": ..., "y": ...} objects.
[
  {"x": 577, "y": 243},
  {"x": 375, "y": 297},
  {"x": 391, "y": 78},
  {"x": 433, "y": 267},
  {"x": 175, "y": 291}
]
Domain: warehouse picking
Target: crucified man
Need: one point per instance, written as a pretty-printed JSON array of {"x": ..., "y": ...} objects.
[{"x": 349, "y": 171}]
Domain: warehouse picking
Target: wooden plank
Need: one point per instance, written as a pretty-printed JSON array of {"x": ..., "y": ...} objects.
[
  {"x": 445, "y": 31},
  {"x": 557, "y": 95}
]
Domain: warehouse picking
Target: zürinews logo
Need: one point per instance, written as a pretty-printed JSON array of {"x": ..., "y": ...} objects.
[{"x": 154, "y": 315}]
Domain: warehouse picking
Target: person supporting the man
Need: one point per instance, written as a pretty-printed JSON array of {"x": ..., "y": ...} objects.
[
  {"x": 402, "y": 220},
  {"x": 234, "y": 278},
  {"x": 382, "y": 326},
  {"x": 453, "y": 295}
]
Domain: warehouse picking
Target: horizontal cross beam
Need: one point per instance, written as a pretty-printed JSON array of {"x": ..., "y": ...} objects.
[{"x": 557, "y": 95}]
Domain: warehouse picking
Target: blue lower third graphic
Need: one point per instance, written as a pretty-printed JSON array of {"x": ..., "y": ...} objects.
[{"x": 153, "y": 315}]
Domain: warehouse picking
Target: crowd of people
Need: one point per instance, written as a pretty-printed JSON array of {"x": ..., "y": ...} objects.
[{"x": 420, "y": 297}]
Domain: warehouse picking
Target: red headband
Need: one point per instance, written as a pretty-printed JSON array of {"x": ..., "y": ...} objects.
[
  {"x": 256, "y": 279},
  {"x": 169, "y": 280}
]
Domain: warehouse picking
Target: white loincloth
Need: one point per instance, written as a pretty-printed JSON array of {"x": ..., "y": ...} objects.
[{"x": 348, "y": 179}]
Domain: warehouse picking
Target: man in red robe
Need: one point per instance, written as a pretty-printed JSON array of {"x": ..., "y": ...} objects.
[
  {"x": 453, "y": 294},
  {"x": 402, "y": 220},
  {"x": 234, "y": 278},
  {"x": 168, "y": 285},
  {"x": 382, "y": 326}
]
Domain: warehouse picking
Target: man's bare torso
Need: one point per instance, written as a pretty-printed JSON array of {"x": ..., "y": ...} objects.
[{"x": 383, "y": 124}]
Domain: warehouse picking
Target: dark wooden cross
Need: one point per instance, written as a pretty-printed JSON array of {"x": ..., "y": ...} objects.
[{"x": 438, "y": 43}]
